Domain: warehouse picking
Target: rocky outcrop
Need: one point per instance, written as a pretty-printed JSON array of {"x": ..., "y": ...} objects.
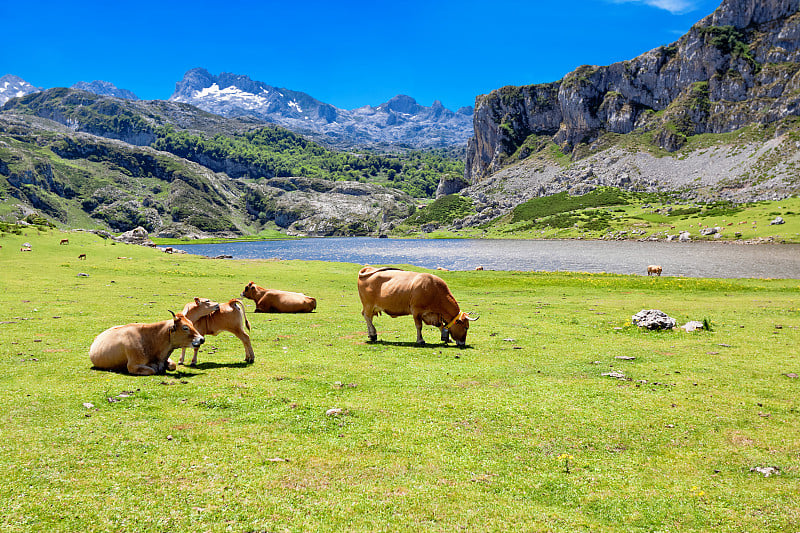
[
  {"x": 738, "y": 66},
  {"x": 305, "y": 206}
]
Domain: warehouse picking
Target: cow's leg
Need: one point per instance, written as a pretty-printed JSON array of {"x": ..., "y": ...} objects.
[
  {"x": 249, "y": 354},
  {"x": 137, "y": 368},
  {"x": 194, "y": 357},
  {"x": 139, "y": 365},
  {"x": 418, "y": 323},
  {"x": 183, "y": 353},
  {"x": 372, "y": 333}
]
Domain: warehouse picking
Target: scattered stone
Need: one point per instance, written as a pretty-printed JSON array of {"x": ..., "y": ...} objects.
[
  {"x": 614, "y": 374},
  {"x": 710, "y": 231},
  {"x": 791, "y": 375},
  {"x": 169, "y": 437},
  {"x": 777, "y": 221},
  {"x": 83, "y": 275},
  {"x": 653, "y": 319},
  {"x": 509, "y": 340},
  {"x": 278, "y": 460},
  {"x": 336, "y": 411},
  {"x": 766, "y": 470},
  {"x": 88, "y": 405},
  {"x": 135, "y": 236},
  {"x": 625, "y": 357},
  {"x": 692, "y": 325}
]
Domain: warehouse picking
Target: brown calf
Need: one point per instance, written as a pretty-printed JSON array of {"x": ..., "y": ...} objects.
[
  {"x": 211, "y": 317},
  {"x": 64, "y": 241},
  {"x": 143, "y": 349},
  {"x": 82, "y": 256},
  {"x": 274, "y": 301}
]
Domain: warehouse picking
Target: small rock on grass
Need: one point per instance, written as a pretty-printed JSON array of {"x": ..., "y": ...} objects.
[{"x": 766, "y": 470}]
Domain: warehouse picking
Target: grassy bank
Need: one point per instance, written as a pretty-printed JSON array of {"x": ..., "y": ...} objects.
[
  {"x": 518, "y": 432},
  {"x": 612, "y": 214}
]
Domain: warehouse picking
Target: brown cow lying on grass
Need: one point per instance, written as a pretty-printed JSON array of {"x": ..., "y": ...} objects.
[
  {"x": 143, "y": 349},
  {"x": 423, "y": 296},
  {"x": 210, "y": 318},
  {"x": 274, "y": 301},
  {"x": 653, "y": 269}
]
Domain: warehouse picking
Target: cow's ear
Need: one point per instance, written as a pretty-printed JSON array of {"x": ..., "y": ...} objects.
[{"x": 197, "y": 300}]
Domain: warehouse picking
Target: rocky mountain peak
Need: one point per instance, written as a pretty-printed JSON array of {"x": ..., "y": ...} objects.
[
  {"x": 403, "y": 104},
  {"x": 401, "y": 120},
  {"x": 105, "y": 88},
  {"x": 745, "y": 13},
  {"x": 14, "y": 87}
]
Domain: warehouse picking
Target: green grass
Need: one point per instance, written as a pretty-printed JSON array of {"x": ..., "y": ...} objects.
[{"x": 432, "y": 438}]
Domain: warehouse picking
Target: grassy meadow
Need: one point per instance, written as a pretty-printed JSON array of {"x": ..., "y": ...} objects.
[{"x": 520, "y": 431}]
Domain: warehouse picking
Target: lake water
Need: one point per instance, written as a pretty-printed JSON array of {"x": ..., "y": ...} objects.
[{"x": 695, "y": 259}]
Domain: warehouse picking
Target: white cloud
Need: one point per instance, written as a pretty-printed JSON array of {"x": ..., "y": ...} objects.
[{"x": 676, "y": 7}]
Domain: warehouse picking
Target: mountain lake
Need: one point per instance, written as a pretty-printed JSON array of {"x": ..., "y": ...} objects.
[{"x": 693, "y": 259}]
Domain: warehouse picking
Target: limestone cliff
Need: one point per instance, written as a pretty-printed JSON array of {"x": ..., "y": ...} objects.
[{"x": 739, "y": 66}]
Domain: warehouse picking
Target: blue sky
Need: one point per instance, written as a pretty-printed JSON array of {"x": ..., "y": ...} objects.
[{"x": 346, "y": 53}]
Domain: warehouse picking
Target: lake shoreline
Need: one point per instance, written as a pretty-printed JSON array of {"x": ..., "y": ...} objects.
[
  {"x": 713, "y": 259},
  {"x": 216, "y": 240}
]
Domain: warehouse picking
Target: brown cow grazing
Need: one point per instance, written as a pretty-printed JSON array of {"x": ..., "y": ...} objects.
[
  {"x": 423, "y": 296},
  {"x": 25, "y": 249},
  {"x": 143, "y": 349},
  {"x": 64, "y": 241},
  {"x": 653, "y": 269},
  {"x": 274, "y": 301},
  {"x": 82, "y": 256},
  {"x": 211, "y": 317}
]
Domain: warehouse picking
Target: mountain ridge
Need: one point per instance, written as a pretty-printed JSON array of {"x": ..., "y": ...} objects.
[
  {"x": 401, "y": 120},
  {"x": 738, "y": 67}
]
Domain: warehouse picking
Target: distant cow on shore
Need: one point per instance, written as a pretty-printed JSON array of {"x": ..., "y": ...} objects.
[
  {"x": 274, "y": 301},
  {"x": 143, "y": 349},
  {"x": 653, "y": 269}
]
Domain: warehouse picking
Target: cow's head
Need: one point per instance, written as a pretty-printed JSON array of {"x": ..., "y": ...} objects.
[
  {"x": 204, "y": 307},
  {"x": 457, "y": 328},
  {"x": 182, "y": 333},
  {"x": 249, "y": 291}
]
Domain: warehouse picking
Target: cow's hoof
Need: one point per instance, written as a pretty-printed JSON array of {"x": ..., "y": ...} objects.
[
  {"x": 373, "y": 338},
  {"x": 250, "y": 360}
]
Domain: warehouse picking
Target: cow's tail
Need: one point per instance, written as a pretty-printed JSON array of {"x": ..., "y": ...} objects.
[{"x": 239, "y": 305}]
